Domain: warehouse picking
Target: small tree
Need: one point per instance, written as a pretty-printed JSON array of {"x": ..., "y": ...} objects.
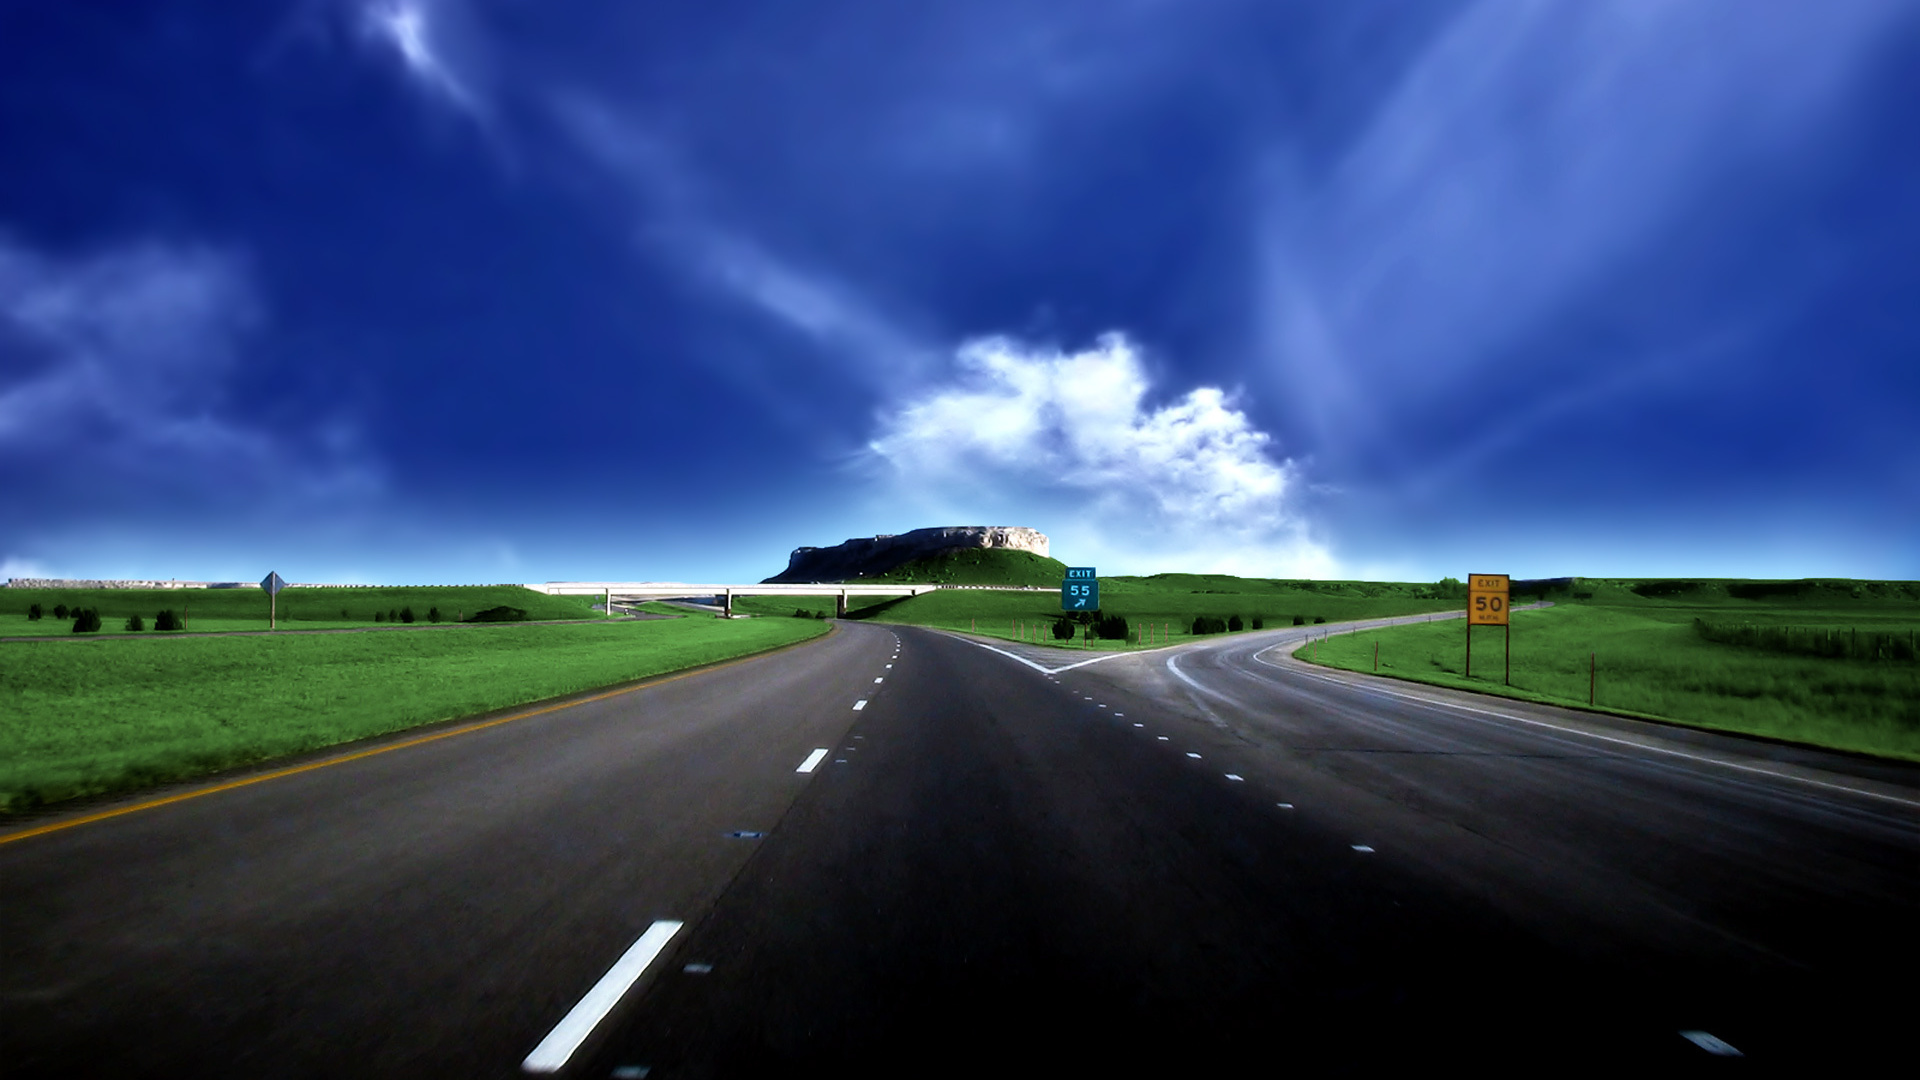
[
  {"x": 1299, "y": 620},
  {"x": 1112, "y": 627},
  {"x": 86, "y": 622},
  {"x": 166, "y": 620},
  {"x": 392, "y": 615},
  {"x": 433, "y": 614},
  {"x": 406, "y": 614},
  {"x": 33, "y": 612},
  {"x": 379, "y": 616},
  {"x": 1259, "y": 622},
  {"x": 1318, "y": 619},
  {"x": 136, "y": 624},
  {"x": 1234, "y": 624},
  {"x": 1063, "y": 629},
  {"x": 344, "y": 616},
  {"x": 60, "y": 611}
]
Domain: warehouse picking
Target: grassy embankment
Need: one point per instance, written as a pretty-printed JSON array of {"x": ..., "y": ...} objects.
[
  {"x": 1159, "y": 609},
  {"x": 1824, "y": 663},
  {"x": 91, "y": 717},
  {"x": 215, "y": 610}
]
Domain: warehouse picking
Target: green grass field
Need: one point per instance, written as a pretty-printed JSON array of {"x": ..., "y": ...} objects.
[
  {"x": 93, "y": 716},
  {"x": 1650, "y": 659},
  {"x": 215, "y": 610}
]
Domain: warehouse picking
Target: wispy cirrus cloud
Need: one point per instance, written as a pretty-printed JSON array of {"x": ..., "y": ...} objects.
[
  {"x": 675, "y": 221},
  {"x": 1073, "y": 437},
  {"x": 436, "y": 42},
  {"x": 1533, "y": 152}
]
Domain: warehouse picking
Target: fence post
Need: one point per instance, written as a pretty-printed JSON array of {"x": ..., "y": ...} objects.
[{"x": 1593, "y": 667}]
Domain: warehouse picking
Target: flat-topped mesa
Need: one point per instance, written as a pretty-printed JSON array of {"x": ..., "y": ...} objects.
[{"x": 879, "y": 554}]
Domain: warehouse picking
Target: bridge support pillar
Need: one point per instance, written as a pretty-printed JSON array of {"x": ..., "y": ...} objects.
[
  {"x": 840, "y": 607},
  {"x": 728, "y": 604}
]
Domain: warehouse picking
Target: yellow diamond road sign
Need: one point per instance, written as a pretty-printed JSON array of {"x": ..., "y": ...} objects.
[{"x": 1487, "y": 599}]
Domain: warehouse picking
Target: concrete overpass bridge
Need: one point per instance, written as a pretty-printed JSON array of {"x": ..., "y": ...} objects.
[{"x": 636, "y": 591}]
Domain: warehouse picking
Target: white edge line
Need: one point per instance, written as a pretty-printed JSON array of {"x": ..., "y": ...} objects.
[
  {"x": 1361, "y": 684},
  {"x": 566, "y": 1037},
  {"x": 812, "y": 760},
  {"x": 1034, "y": 666}
]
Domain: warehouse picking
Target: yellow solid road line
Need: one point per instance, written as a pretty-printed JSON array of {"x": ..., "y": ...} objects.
[{"x": 102, "y": 815}]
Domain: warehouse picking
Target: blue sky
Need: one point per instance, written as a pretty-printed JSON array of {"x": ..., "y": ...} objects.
[{"x": 445, "y": 291}]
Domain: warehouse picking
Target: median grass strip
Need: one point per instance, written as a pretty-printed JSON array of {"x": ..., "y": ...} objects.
[
  {"x": 112, "y": 715},
  {"x": 1651, "y": 659}
]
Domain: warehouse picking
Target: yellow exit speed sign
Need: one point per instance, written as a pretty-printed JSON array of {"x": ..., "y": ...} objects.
[{"x": 1487, "y": 599}]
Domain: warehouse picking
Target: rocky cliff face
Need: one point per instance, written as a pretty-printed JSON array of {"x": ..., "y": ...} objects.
[{"x": 879, "y": 554}]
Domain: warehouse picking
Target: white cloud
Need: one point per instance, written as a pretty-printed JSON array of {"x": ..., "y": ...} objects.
[
  {"x": 115, "y": 367},
  {"x": 432, "y": 39},
  {"x": 1192, "y": 481}
]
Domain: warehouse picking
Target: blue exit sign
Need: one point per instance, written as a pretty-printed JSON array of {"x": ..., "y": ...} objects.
[{"x": 1081, "y": 590}]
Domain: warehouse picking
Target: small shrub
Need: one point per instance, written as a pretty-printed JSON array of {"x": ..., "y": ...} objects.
[
  {"x": 379, "y": 616},
  {"x": 802, "y": 613},
  {"x": 819, "y": 614},
  {"x": 1259, "y": 622},
  {"x": 406, "y": 614},
  {"x": 167, "y": 620},
  {"x": 1299, "y": 620},
  {"x": 86, "y": 621},
  {"x": 1209, "y": 624},
  {"x": 344, "y": 617},
  {"x": 1111, "y": 627},
  {"x": 433, "y": 614},
  {"x": 392, "y": 616},
  {"x": 33, "y": 612},
  {"x": 136, "y": 624},
  {"x": 60, "y": 611},
  {"x": 1063, "y": 629},
  {"x": 502, "y": 613},
  {"x": 1235, "y": 625},
  {"x": 1318, "y": 619}
]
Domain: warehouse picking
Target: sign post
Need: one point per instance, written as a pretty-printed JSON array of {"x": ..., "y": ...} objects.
[
  {"x": 1487, "y": 596},
  {"x": 273, "y": 585}
]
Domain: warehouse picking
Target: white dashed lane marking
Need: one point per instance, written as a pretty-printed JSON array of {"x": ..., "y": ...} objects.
[
  {"x": 1193, "y": 755},
  {"x": 858, "y": 705},
  {"x": 566, "y": 1037},
  {"x": 1236, "y": 776},
  {"x": 813, "y": 759},
  {"x": 1363, "y": 849},
  {"x": 1711, "y": 1044}
]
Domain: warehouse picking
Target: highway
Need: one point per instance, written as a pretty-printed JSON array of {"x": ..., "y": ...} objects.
[{"x": 1000, "y": 860}]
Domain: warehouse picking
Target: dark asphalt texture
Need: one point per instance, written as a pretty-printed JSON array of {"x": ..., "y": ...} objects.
[{"x": 996, "y": 871}]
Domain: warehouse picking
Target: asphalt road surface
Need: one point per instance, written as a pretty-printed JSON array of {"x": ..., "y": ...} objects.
[{"x": 998, "y": 860}]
